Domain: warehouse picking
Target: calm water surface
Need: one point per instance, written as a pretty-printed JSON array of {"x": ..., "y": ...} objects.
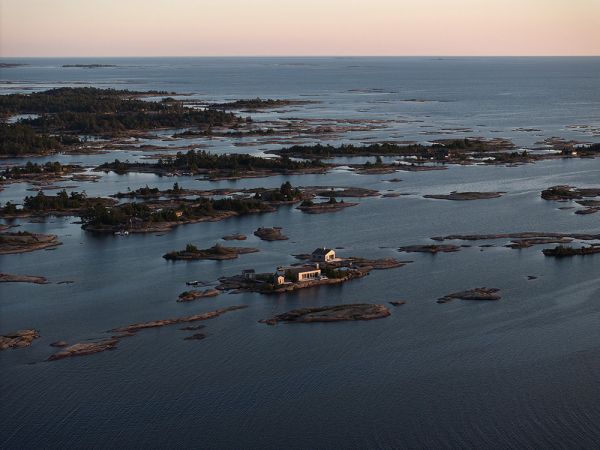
[{"x": 522, "y": 372}]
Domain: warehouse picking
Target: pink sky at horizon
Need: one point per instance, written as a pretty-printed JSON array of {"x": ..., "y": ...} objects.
[{"x": 94, "y": 28}]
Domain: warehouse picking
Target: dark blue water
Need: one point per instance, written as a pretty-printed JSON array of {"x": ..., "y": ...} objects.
[{"x": 521, "y": 372}]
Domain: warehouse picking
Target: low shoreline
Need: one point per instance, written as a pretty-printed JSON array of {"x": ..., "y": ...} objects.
[
  {"x": 8, "y": 278},
  {"x": 23, "y": 242}
]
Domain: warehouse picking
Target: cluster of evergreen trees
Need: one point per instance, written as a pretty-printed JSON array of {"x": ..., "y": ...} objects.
[
  {"x": 201, "y": 159},
  {"x": 20, "y": 140},
  {"x": 330, "y": 272},
  {"x": 565, "y": 250},
  {"x": 349, "y": 149},
  {"x": 61, "y": 201},
  {"x": 32, "y": 168},
  {"x": 381, "y": 149},
  {"x": 285, "y": 193},
  {"x": 90, "y": 111},
  {"x": 251, "y": 103},
  {"x": 83, "y": 99},
  {"x": 100, "y": 216},
  {"x": 97, "y": 123},
  {"x": 215, "y": 250}
]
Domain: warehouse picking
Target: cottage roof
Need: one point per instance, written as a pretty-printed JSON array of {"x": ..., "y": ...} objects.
[
  {"x": 248, "y": 271},
  {"x": 322, "y": 251}
]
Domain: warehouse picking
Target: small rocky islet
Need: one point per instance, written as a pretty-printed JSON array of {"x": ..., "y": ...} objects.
[
  {"x": 18, "y": 339},
  {"x": 217, "y": 252},
  {"x": 323, "y": 207},
  {"x": 338, "y": 313},
  {"x": 482, "y": 293},
  {"x": 270, "y": 234},
  {"x": 8, "y": 278},
  {"x": 84, "y": 349},
  {"x": 463, "y": 196},
  {"x": 188, "y": 296}
]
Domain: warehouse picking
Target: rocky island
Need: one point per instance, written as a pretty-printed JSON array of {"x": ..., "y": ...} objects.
[
  {"x": 188, "y": 296},
  {"x": 18, "y": 339},
  {"x": 160, "y": 323},
  {"x": 24, "y": 241},
  {"x": 445, "y": 248},
  {"x": 62, "y": 204},
  {"x": 164, "y": 215},
  {"x": 339, "y": 313},
  {"x": 218, "y": 167},
  {"x": 216, "y": 252},
  {"x": 301, "y": 276},
  {"x": 524, "y": 235},
  {"x": 270, "y": 234},
  {"x": 84, "y": 349},
  {"x": 309, "y": 207},
  {"x": 462, "y": 196},
  {"x": 236, "y": 237},
  {"x": 564, "y": 251},
  {"x": 564, "y": 192},
  {"x": 474, "y": 294},
  {"x": 7, "y": 278}
]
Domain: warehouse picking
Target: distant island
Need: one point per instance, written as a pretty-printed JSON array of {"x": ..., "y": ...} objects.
[
  {"x": 11, "y": 65},
  {"x": 89, "y": 66},
  {"x": 258, "y": 104}
]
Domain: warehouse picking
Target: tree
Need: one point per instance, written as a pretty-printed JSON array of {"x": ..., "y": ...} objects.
[
  {"x": 291, "y": 276},
  {"x": 9, "y": 208}
]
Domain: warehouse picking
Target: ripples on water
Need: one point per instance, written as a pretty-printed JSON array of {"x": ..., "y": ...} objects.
[{"x": 518, "y": 373}]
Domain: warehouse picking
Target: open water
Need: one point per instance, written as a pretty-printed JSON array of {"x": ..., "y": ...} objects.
[{"x": 522, "y": 372}]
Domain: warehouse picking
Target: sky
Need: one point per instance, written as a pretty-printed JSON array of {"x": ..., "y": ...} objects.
[{"x": 98, "y": 28}]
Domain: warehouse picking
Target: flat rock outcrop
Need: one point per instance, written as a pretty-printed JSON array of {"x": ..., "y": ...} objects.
[
  {"x": 7, "y": 278},
  {"x": 189, "y": 296},
  {"x": 18, "y": 339},
  {"x": 430, "y": 248},
  {"x": 524, "y": 243},
  {"x": 160, "y": 323},
  {"x": 236, "y": 237},
  {"x": 22, "y": 242},
  {"x": 195, "y": 336},
  {"x": 324, "y": 207},
  {"x": 525, "y": 235},
  {"x": 474, "y": 294},
  {"x": 84, "y": 349},
  {"x": 339, "y": 313},
  {"x": 463, "y": 196}
]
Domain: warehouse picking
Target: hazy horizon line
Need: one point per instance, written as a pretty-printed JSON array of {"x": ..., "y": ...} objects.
[{"x": 308, "y": 56}]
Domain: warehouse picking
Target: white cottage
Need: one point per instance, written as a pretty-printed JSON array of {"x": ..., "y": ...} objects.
[{"x": 322, "y": 255}]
